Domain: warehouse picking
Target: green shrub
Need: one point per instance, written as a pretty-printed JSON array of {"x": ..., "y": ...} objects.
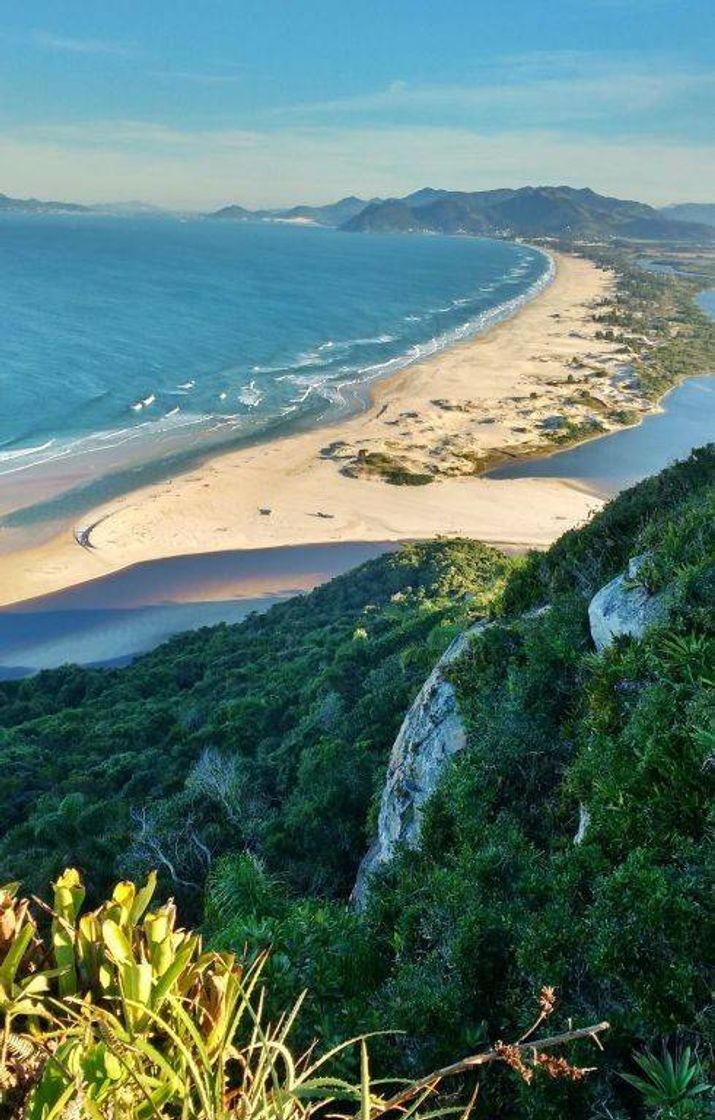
[{"x": 117, "y": 1013}]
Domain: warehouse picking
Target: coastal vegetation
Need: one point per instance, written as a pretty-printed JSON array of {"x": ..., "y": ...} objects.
[
  {"x": 244, "y": 764},
  {"x": 388, "y": 467},
  {"x": 658, "y": 334},
  {"x": 656, "y": 318},
  {"x": 119, "y": 1013}
]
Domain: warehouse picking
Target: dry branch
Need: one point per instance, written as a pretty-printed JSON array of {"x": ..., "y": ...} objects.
[{"x": 493, "y": 1055}]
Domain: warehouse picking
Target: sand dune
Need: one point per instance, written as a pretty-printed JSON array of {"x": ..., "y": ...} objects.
[{"x": 497, "y": 390}]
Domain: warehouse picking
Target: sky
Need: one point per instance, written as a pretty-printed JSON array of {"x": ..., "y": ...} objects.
[{"x": 270, "y": 102}]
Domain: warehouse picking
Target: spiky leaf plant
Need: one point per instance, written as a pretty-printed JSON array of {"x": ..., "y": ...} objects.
[
  {"x": 668, "y": 1080},
  {"x": 117, "y": 1014}
]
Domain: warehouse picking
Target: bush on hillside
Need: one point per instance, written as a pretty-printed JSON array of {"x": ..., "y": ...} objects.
[{"x": 117, "y": 1014}]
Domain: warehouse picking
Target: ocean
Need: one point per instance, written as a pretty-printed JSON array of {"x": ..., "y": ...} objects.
[{"x": 130, "y": 345}]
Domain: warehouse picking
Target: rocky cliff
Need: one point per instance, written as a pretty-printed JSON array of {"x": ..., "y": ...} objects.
[{"x": 432, "y": 731}]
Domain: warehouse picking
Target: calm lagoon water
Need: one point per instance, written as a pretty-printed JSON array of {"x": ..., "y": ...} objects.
[
  {"x": 614, "y": 462},
  {"x": 610, "y": 464},
  {"x": 110, "y": 620}
]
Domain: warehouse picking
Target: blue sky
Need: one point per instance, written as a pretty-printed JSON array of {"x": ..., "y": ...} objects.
[{"x": 268, "y": 102}]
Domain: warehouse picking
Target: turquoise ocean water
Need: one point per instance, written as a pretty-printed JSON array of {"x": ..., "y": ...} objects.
[
  {"x": 118, "y": 616},
  {"x": 124, "y": 342}
]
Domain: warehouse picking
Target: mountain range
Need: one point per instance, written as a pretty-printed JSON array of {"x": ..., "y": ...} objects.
[
  {"x": 35, "y": 206},
  {"x": 122, "y": 209},
  {"x": 526, "y": 212},
  {"x": 521, "y": 212},
  {"x": 557, "y": 212},
  {"x": 703, "y": 212},
  {"x": 334, "y": 214}
]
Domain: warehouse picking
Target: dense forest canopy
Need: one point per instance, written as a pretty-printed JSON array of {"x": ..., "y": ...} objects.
[
  {"x": 245, "y": 762},
  {"x": 94, "y": 760}
]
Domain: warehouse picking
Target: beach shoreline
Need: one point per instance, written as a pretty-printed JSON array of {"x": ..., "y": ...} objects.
[{"x": 447, "y": 416}]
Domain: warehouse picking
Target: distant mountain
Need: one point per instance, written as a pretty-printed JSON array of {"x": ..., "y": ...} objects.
[
  {"x": 131, "y": 209},
  {"x": 703, "y": 212},
  {"x": 525, "y": 212},
  {"x": 423, "y": 197},
  {"x": 233, "y": 213},
  {"x": 393, "y": 214},
  {"x": 35, "y": 206},
  {"x": 334, "y": 214},
  {"x": 521, "y": 212}
]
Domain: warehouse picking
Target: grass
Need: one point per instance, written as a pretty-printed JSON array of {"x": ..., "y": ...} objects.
[{"x": 387, "y": 467}]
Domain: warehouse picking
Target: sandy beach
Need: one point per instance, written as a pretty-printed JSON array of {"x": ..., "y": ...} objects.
[{"x": 499, "y": 393}]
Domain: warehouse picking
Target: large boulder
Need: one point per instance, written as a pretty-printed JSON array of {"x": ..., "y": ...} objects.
[
  {"x": 431, "y": 732},
  {"x": 623, "y": 607}
]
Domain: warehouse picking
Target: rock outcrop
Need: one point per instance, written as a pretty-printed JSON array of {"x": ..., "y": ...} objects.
[
  {"x": 431, "y": 732},
  {"x": 584, "y": 820},
  {"x": 623, "y": 607}
]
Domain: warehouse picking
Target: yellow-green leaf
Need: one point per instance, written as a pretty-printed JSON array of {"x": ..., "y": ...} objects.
[{"x": 116, "y": 941}]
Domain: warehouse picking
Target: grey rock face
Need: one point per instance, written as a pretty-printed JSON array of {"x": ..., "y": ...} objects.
[
  {"x": 431, "y": 732},
  {"x": 584, "y": 820},
  {"x": 619, "y": 608}
]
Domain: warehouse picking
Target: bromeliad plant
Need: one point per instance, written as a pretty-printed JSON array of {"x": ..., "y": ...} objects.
[
  {"x": 668, "y": 1082},
  {"x": 115, "y": 1014}
]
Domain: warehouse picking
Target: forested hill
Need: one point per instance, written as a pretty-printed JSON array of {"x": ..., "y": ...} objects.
[
  {"x": 314, "y": 689},
  {"x": 527, "y": 212},
  {"x": 37, "y": 206},
  {"x": 245, "y": 763}
]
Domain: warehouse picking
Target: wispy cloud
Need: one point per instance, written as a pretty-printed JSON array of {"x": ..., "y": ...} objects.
[
  {"x": 113, "y": 135},
  {"x": 629, "y": 127},
  {"x": 67, "y": 44},
  {"x": 538, "y": 90},
  {"x": 205, "y": 78}
]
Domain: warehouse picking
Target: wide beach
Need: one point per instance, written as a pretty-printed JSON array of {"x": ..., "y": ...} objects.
[{"x": 501, "y": 389}]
